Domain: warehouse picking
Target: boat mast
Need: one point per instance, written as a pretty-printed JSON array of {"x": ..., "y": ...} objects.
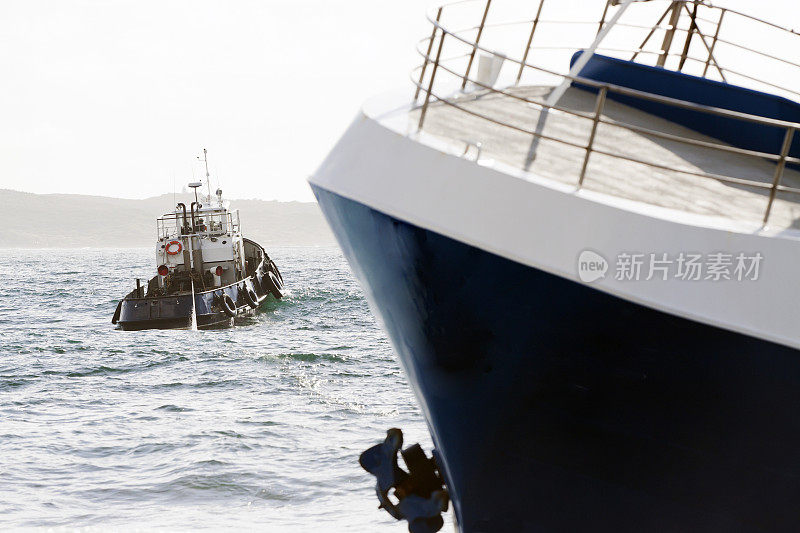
[{"x": 208, "y": 176}]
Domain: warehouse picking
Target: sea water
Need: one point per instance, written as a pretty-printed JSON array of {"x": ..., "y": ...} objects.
[{"x": 258, "y": 426}]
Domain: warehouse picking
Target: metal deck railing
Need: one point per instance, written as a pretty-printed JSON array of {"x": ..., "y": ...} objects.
[
  {"x": 689, "y": 36},
  {"x": 206, "y": 223}
]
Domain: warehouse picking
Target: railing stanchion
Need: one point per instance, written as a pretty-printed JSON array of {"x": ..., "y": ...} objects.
[
  {"x": 688, "y": 42},
  {"x": 674, "y": 19},
  {"x": 603, "y": 18},
  {"x": 430, "y": 85},
  {"x": 787, "y": 145},
  {"x": 428, "y": 54},
  {"x": 708, "y": 48},
  {"x": 714, "y": 43},
  {"x": 477, "y": 42},
  {"x": 530, "y": 41},
  {"x": 652, "y": 32},
  {"x": 599, "y": 105}
]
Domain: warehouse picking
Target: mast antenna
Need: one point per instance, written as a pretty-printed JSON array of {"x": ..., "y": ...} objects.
[{"x": 208, "y": 176}]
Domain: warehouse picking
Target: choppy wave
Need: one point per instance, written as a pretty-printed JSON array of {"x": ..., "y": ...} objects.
[{"x": 258, "y": 426}]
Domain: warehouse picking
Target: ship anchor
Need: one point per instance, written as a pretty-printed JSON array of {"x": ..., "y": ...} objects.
[{"x": 420, "y": 492}]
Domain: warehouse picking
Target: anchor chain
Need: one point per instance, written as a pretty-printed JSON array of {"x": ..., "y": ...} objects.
[{"x": 420, "y": 493}]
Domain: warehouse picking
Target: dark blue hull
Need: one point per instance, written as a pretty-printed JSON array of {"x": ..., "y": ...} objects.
[{"x": 557, "y": 407}]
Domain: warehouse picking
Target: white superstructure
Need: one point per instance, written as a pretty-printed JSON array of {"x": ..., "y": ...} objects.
[{"x": 208, "y": 235}]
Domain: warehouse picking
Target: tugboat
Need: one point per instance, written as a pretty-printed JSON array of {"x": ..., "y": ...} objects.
[{"x": 208, "y": 274}]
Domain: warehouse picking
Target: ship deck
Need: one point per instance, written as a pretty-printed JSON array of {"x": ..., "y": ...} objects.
[{"x": 665, "y": 187}]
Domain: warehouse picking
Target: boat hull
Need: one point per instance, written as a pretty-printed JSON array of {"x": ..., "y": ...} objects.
[
  {"x": 559, "y": 407},
  {"x": 175, "y": 311},
  {"x": 219, "y": 320}
]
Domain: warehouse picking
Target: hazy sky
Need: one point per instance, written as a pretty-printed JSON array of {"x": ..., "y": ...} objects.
[{"x": 117, "y": 97}]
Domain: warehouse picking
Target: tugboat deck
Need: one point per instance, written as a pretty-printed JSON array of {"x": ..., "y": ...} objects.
[{"x": 664, "y": 186}]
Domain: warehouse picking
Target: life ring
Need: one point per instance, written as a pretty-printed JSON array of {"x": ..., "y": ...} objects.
[
  {"x": 251, "y": 297},
  {"x": 228, "y": 307},
  {"x": 169, "y": 246}
]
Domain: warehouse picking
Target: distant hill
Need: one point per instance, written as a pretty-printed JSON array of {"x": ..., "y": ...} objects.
[{"x": 71, "y": 220}]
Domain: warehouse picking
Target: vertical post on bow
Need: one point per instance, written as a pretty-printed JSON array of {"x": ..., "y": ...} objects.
[
  {"x": 776, "y": 181},
  {"x": 598, "y": 114},
  {"x": 430, "y": 85},
  {"x": 477, "y": 42},
  {"x": 530, "y": 41},
  {"x": 428, "y": 54}
]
